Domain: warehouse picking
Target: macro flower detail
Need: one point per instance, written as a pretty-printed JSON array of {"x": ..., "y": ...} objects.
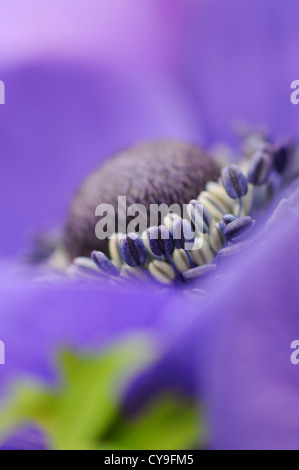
[
  {"x": 183, "y": 237},
  {"x": 199, "y": 272},
  {"x": 234, "y": 228},
  {"x": 223, "y": 215},
  {"x": 200, "y": 216},
  {"x": 104, "y": 263},
  {"x": 133, "y": 250},
  {"x": 260, "y": 168},
  {"x": 182, "y": 233},
  {"x": 144, "y": 174},
  {"x": 161, "y": 241},
  {"x": 234, "y": 182},
  {"x": 162, "y": 244},
  {"x": 120, "y": 331},
  {"x": 281, "y": 157}
]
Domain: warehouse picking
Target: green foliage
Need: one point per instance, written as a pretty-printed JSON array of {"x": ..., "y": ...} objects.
[
  {"x": 84, "y": 411},
  {"x": 169, "y": 423}
]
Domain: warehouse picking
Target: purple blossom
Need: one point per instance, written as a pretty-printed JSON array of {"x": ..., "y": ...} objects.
[
  {"x": 236, "y": 353},
  {"x": 75, "y": 96}
]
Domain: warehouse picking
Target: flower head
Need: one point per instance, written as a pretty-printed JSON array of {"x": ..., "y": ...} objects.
[
  {"x": 234, "y": 182},
  {"x": 222, "y": 338}
]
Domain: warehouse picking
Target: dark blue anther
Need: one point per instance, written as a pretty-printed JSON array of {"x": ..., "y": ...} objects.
[
  {"x": 133, "y": 250},
  {"x": 260, "y": 168},
  {"x": 200, "y": 216},
  {"x": 234, "y": 182},
  {"x": 162, "y": 244},
  {"x": 234, "y": 229},
  {"x": 183, "y": 235},
  {"x": 160, "y": 240},
  {"x": 104, "y": 263},
  {"x": 281, "y": 156}
]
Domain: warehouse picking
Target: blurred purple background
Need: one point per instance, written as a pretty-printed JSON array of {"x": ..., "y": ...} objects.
[{"x": 87, "y": 77}]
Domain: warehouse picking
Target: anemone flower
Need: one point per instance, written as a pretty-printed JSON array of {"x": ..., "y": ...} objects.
[
  {"x": 238, "y": 351},
  {"x": 92, "y": 364}
]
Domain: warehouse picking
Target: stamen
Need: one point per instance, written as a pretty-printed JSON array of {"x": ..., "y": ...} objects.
[
  {"x": 133, "y": 250},
  {"x": 221, "y": 220},
  {"x": 104, "y": 263},
  {"x": 260, "y": 168},
  {"x": 161, "y": 243},
  {"x": 183, "y": 237},
  {"x": 217, "y": 239},
  {"x": 162, "y": 271},
  {"x": 200, "y": 216},
  {"x": 281, "y": 157},
  {"x": 198, "y": 272},
  {"x": 235, "y": 183},
  {"x": 233, "y": 228}
]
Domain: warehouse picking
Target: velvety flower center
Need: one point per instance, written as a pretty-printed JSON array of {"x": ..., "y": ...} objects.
[
  {"x": 221, "y": 210},
  {"x": 154, "y": 173}
]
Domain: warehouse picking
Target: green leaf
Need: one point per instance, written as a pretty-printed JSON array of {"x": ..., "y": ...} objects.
[
  {"x": 83, "y": 412},
  {"x": 169, "y": 423},
  {"x": 86, "y": 403},
  {"x": 89, "y": 401}
]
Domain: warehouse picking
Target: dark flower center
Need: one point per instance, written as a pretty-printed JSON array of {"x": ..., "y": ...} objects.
[{"x": 160, "y": 172}]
